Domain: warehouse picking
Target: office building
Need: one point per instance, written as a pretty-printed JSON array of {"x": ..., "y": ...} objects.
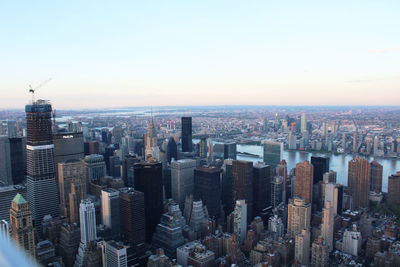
[
  {"x": 330, "y": 177},
  {"x": 133, "y": 221},
  {"x": 110, "y": 210},
  {"x": 148, "y": 179},
  {"x": 275, "y": 225},
  {"x": 273, "y": 153},
  {"x": 242, "y": 184},
  {"x": 292, "y": 141},
  {"x": 376, "y": 177},
  {"x": 302, "y": 247},
  {"x": 299, "y": 216},
  {"x": 5, "y": 162},
  {"x": 321, "y": 166},
  {"x": 18, "y": 159},
  {"x": 172, "y": 150},
  {"x": 22, "y": 225},
  {"x": 276, "y": 191},
  {"x": 42, "y": 192},
  {"x": 87, "y": 215},
  {"x": 240, "y": 220},
  {"x": 358, "y": 182},
  {"x": 127, "y": 169},
  {"x": 319, "y": 253},
  {"x": 7, "y": 194},
  {"x": 394, "y": 189},
  {"x": 327, "y": 224},
  {"x": 207, "y": 187},
  {"x": 227, "y": 186},
  {"x": 331, "y": 195},
  {"x": 261, "y": 187},
  {"x": 114, "y": 254},
  {"x": 182, "y": 179},
  {"x": 355, "y": 145},
  {"x": 68, "y": 146},
  {"x": 195, "y": 254},
  {"x": 71, "y": 174},
  {"x": 168, "y": 235},
  {"x": 196, "y": 214},
  {"x": 303, "y": 124},
  {"x": 95, "y": 167},
  {"x": 304, "y": 181},
  {"x": 151, "y": 149},
  {"x": 186, "y": 134},
  {"x": 69, "y": 243},
  {"x": 225, "y": 151}
]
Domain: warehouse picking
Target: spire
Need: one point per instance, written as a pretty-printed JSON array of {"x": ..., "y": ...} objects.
[{"x": 19, "y": 199}]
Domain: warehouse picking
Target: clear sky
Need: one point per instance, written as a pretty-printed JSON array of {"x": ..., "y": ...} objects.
[{"x": 208, "y": 52}]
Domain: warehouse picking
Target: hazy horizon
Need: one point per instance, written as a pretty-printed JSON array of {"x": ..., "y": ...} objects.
[{"x": 173, "y": 53}]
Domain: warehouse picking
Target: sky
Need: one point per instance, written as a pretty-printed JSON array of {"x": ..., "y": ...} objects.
[{"x": 102, "y": 54}]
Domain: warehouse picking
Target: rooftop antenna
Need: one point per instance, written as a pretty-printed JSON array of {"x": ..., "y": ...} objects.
[{"x": 32, "y": 90}]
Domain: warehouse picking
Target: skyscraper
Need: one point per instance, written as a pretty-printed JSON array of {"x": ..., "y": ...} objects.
[
  {"x": 242, "y": 173},
  {"x": 114, "y": 254},
  {"x": 172, "y": 150},
  {"x": 18, "y": 159},
  {"x": 394, "y": 189},
  {"x": 261, "y": 187},
  {"x": 321, "y": 166},
  {"x": 273, "y": 152},
  {"x": 302, "y": 247},
  {"x": 227, "y": 189},
  {"x": 151, "y": 148},
  {"x": 110, "y": 210},
  {"x": 68, "y": 146},
  {"x": 376, "y": 177},
  {"x": 207, "y": 187},
  {"x": 70, "y": 174},
  {"x": 133, "y": 221},
  {"x": 240, "y": 220},
  {"x": 299, "y": 216},
  {"x": 182, "y": 175},
  {"x": 95, "y": 167},
  {"x": 358, "y": 182},
  {"x": 42, "y": 190},
  {"x": 355, "y": 145},
  {"x": 319, "y": 253},
  {"x": 148, "y": 179},
  {"x": 22, "y": 225},
  {"x": 327, "y": 224},
  {"x": 303, "y": 123},
  {"x": 5, "y": 162},
  {"x": 304, "y": 181},
  {"x": 276, "y": 191},
  {"x": 186, "y": 134}
]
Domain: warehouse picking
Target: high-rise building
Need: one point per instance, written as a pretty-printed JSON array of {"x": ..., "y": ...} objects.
[
  {"x": 7, "y": 194},
  {"x": 168, "y": 233},
  {"x": 42, "y": 193},
  {"x": 376, "y": 177},
  {"x": 151, "y": 148},
  {"x": 273, "y": 153},
  {"x": 148, "y": 179},
  {"x": 281, "y": 170},
  {"x": 327, "y": 224},
  {"x": 110, "y": 210},
  {"x": 127, "y": 169},
  {"x": 292, "y": 141},
  {"x": 195, "y": 213},
  {"x": 240, "y": 220},
  {"x": 68, "y": 146},
  {"x": 355, "y": 145},
  {"x": 358, "y": 182},
  {"x": 87, "y": 216},
  {"x": 304, "y": 181},
  {"x": 319, "y": 253},
  {"x": 242, "y": 174},
  {"x": 302, "y": 247},
  {"x": 207, "y": 187},
  {"x": 225, "y": 151},
  {"x": 95, "y": 167},
  {"x": 331, "y": 193},
  {"x": 11, "y": 128},
  {"x": 182, "y": 179},
  {"x": 261, "y": 187},
  {"x": 133, "y": 221},
  {"x": 227, "y": 186},
  {"x": 321, "y": 166},
  {"x": 114, "y": 254},
  {"x": 172, "y": 149},
  {"x": 69, "y": 243},
  {"x": 22, "y": 225},
  {"x": 299, "y": 216},
  {"x": 330, "y": 177},
  {"x": 186, "y": 134},
  {"x": 18, "y": 159},
  {"x": 5, "y": 162},
  {"x": 352, "y": 241},
  {"x": 275, "y": 225},
  {"x": 71, "y": 174},
  {"x": 394, "y": 189},
  {"x": 276, "y": 191}
]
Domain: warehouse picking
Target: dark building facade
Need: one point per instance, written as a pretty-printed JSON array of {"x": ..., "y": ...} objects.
[
  {"x": 261, "y": 187},
  {"x": 18, "y": 159},
  {"x": 207, "y": 187},
  {"x": 42, "y": 190},
  {"x": 172, "y": 150},
  {"x": 376, "y": 177},
  {"x": 321, "y": 166},
  {"x": 186, "y": 134},
  {"x": 68, "y": 146},
  {"x": 148, "y": 179},
  {"x": 242, "y": 174},
  {"x": 127, "y": 168},
  {"x": 227, "y": 187}
]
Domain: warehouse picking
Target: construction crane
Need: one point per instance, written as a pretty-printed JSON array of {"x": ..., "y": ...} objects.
[{"x": 32, "y": 90}]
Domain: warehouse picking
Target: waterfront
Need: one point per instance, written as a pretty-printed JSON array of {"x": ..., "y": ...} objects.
[{"x": 338, "y": 163}]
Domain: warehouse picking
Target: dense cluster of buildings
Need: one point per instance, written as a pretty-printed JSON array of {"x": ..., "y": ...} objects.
[{"x": 123, "y": 197}]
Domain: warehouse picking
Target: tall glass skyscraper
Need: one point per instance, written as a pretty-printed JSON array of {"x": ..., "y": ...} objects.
[
  {"x": 186, "y": 134},
  {"x": 273, "y": 153},
  {"x": 42, "y": 191}
]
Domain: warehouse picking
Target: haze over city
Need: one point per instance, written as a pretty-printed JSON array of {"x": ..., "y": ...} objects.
[{"x": 158, "y": 53}]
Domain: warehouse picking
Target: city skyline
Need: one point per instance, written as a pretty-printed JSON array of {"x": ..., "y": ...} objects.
[{"x": 182, "y": 54}]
